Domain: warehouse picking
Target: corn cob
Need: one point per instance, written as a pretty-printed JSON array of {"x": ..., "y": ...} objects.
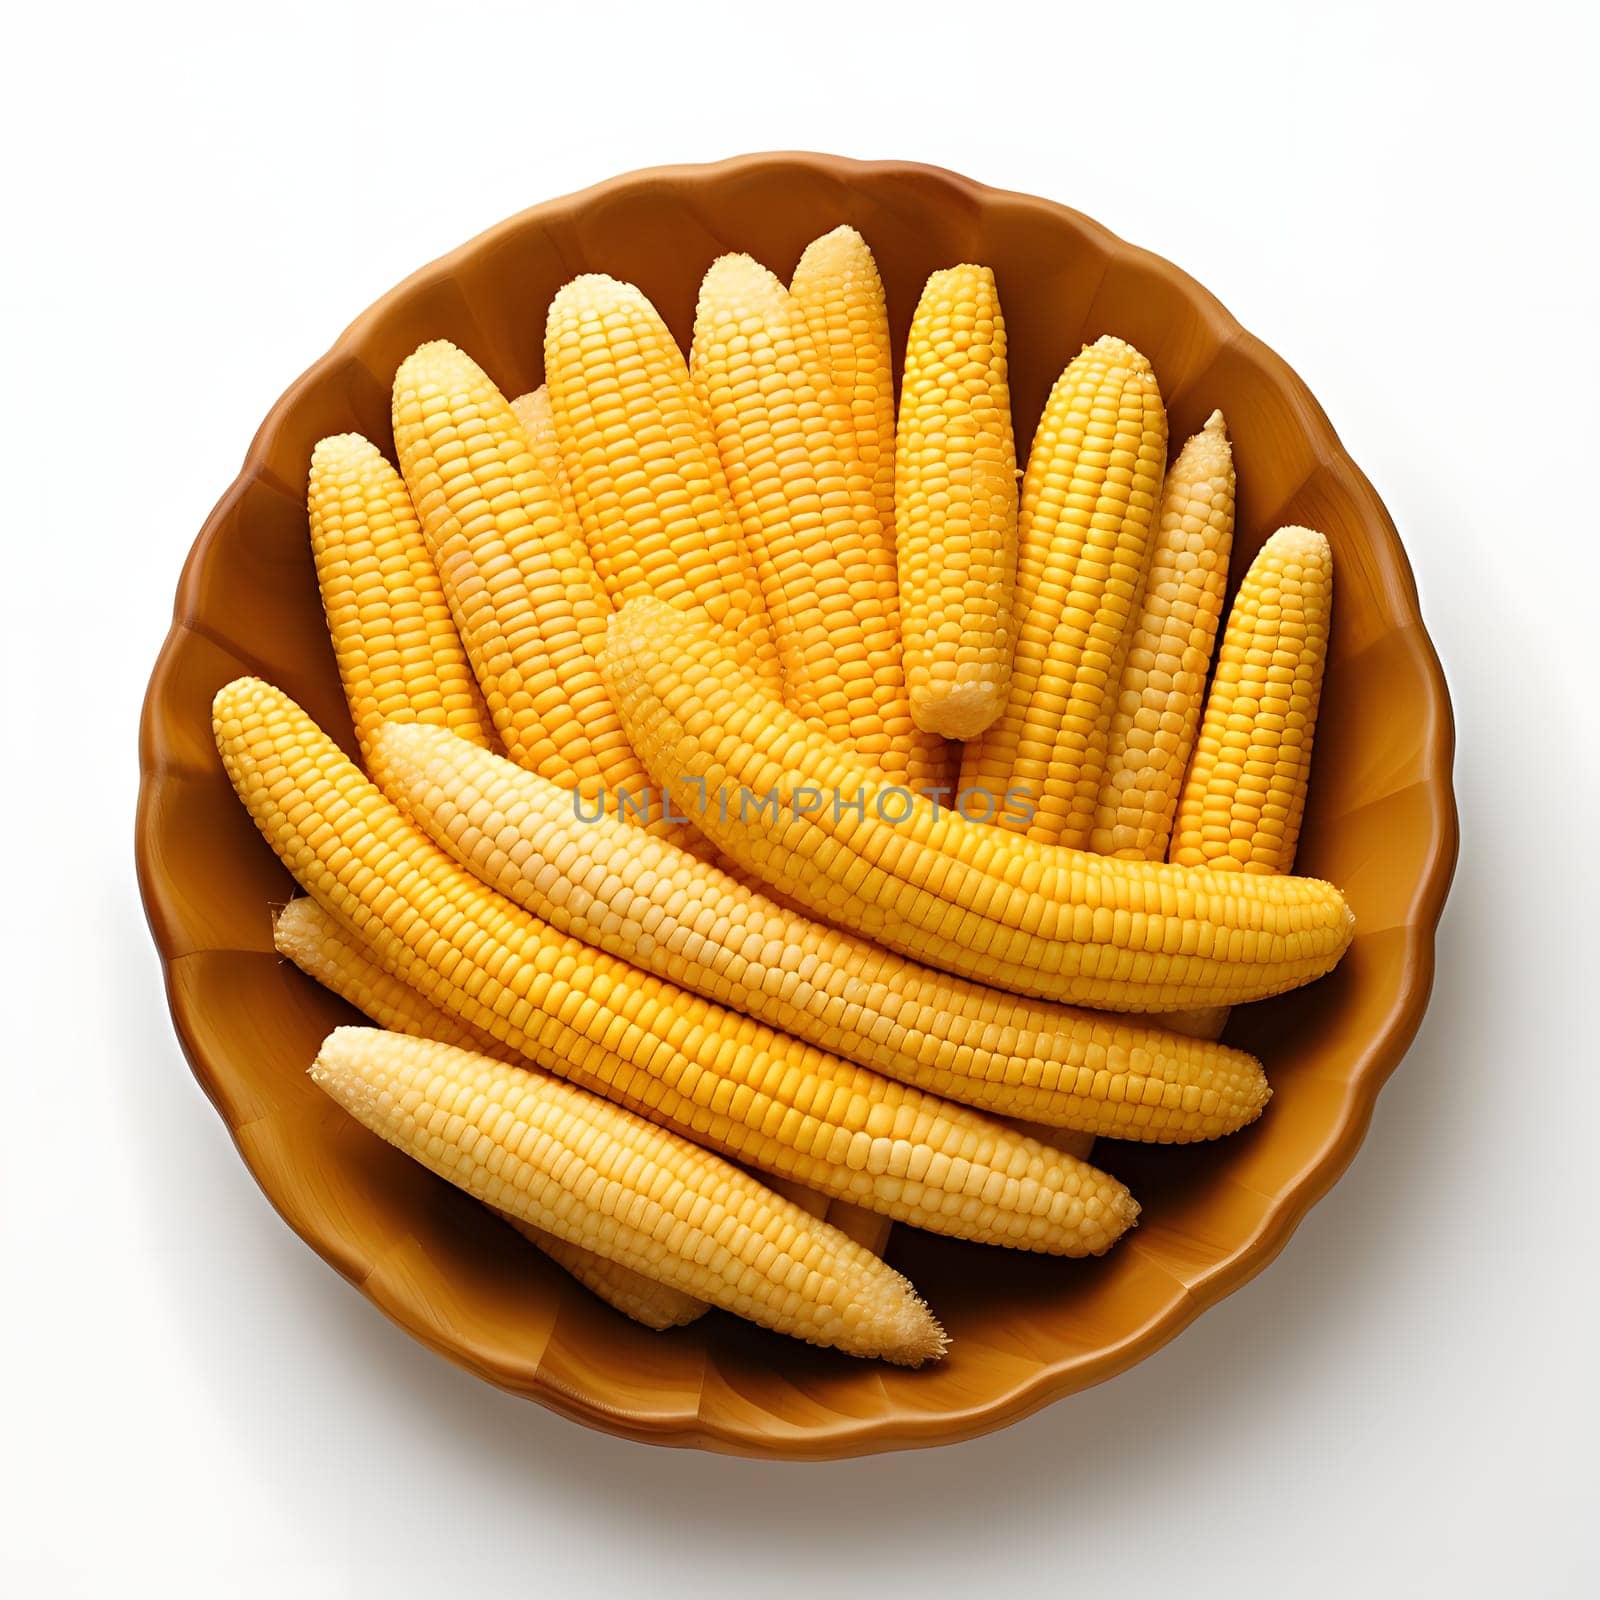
[
  {"x": 1246, "y": 789},
  {"x": 839, "y": 293},
  {"x": 1088, "y": 502},
  {"x": 650, "y": 490},
  {"x": 572, "y": 1165},
  {"x": 821, "y": 556},
  {"x": 1267, "y": 687},
  {"x": 315, "y": 943},
  {"x": 323, "y": 949},
  {"x": 397, "y": 649},
  {"x": 1164, "y": 678},
  {"x": 522, "y": 588},
  {"x": 665, "y": 911},
  {"x": 532, "y": 410},
  {"x": 1057, "y": 923},
  {"x": 654, "y": 1305},
  {"x": 705, "y": 1072},
  {"x": 955, "y": 518},
  {"x": 320, "y": 947}
]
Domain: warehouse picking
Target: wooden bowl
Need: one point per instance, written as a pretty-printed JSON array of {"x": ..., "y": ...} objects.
[{"x": 1381, "y": 824}]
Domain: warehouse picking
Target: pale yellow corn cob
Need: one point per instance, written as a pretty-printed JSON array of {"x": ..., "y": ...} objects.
[
  {"x": 644, "y": 469},
  {"x": 837, "y": 289},
  {"x": 822, "y": 558},
  {"x": 321, "y": 948},
  {"x": 572, "y": 1165},
  {"x": 669, "y": 913},
  {"x": 1246, "y": 790},
  {"x": 1164, "y": 677},
  {"x": 955, "y": 521},
  {"x": 398, "y": 651},
  {"x": 1039, "y": 919},
  {"x": 324, "y": 949},
  {"x": 705, "y": 1072},
  {"x": 1088, "y": 505},
  {"x": 639, "y": 1298},
  {"x": 532, "y": 410},
  {"x": 518, "y": 576}
]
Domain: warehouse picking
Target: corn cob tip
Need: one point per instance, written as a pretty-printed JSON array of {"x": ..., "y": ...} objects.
[
  {"x": 942, "y": 279},
  {"x": 739, "y": 284},
  {"x": 337, "y": 447},
  {"x": 1304, "y": 544},
  {"x": 1217, "y": 424},
  {"x": 841, "y": 241},
  {"x": 1114, "y": 345},
  {"x": 413, "y": 372},
  {"x": 842, "y": 232},
  {"x": 637, "y": 612},
  {"x": 225, "y": 701},
  {"x": 1263, "y": 1095},
  {"x": 917, "y": 1336},
  {"x": 331, "y": 1072},
  {"x": 430, "y": 349},
  {"x": 741, "y": 261},
  {"x": 591, "y": 288},
  {"x": 963, "y": 711}
]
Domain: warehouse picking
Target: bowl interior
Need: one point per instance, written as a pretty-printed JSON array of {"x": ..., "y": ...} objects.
[{"x": 1380, "y": 823}]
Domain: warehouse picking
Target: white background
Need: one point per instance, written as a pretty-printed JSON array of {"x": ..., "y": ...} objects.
[{"x": 1401, "y": 202}]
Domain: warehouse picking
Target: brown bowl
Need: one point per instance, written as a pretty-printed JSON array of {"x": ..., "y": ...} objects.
[{"x": 1381, "y": 823}]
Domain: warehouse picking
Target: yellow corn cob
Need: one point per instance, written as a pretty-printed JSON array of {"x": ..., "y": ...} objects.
[
  {"x": 1164, "y": 678},
  {"x": 839, "y": 293},
  {"x": 705, "y": 1072},
  {"x": 821, "y": 556},
  {"x": 323, "y": 949},
  {"x": 1246, "y": 789},
  {"x": 1267, "y": 687},
  {"x": 665, "y": 911},
  {"x": 315, "y": 942},
  {"x": 649, "y": 487},
  {"x": 955, "y": 518},
  {"x": 1088, "y": 503},
  {"x": 572, "y": 1165},
  {"x": 523, "y": 590},
  {"x": 397, "y": 649},
  {"x": 1039, "y": 919},
  {"x": 532, "y": 410}
]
